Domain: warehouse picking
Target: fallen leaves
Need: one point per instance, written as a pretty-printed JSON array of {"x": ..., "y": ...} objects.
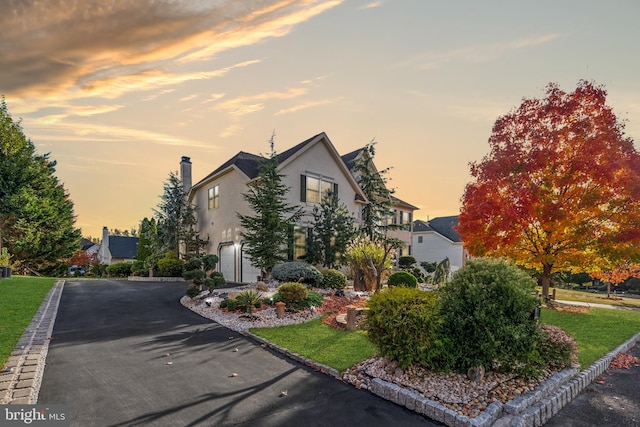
[{"x": 624, "y": 361}]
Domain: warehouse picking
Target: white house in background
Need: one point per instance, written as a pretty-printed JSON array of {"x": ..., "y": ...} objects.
[
  {"x": 437, "y": 239},
  {"x": 309, "y": 169},
  {"x": 115, "y": 249}
]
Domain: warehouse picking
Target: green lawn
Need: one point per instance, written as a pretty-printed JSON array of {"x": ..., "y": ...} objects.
[
  {"x": 591, "y": 298},
  {"x": 597, "y": 331},
  {"x": 20, "y": 298},
  {"x": 317, "y": 341}
]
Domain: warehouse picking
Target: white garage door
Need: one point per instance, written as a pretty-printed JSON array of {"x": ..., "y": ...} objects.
[
  {"x": 249, "y": 272},
  {"x": 227, "y": 263}
]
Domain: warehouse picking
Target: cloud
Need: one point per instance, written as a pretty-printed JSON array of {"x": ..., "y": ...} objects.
[
  {"x": 371, "y": 5},
  {"x": 65, "y": 49},
  {"x": 306, "y": 105},
  {"x": 474, "y": 53}
]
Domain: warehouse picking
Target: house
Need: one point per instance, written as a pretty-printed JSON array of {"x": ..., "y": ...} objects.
[
  {"x": 89, "y": 247},
  {"x": 115, "y": 249},
  {"x": 309, "y": 169},
  {"x": 437, "y": 239}
]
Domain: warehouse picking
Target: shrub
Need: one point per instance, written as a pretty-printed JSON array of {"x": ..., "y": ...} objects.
[
  {"x": 313, "y": 299},
  {"x": 119, "y": 269},
  {"x": 249, "y": 298},
  {"x": 209, "y": 262},
  {"x": 297, "y": 271},
  {"x": 556, "y": 348},
  {"x": 218, "y": 279},
  {"x": 487, "y": 309},
  {"x": 170, "y": 265},
  {"x": 193, "y": 291},
  {"x": 138, "y": 269},
  {"x": 196, "y": 276},
  {"x": 292, "y": 292},
  {"x": 403, "y": 323},
  {"x": 333, "y": 279},
  {"x": 405, "y": 262},
  {"x": 230, "y": 304},
  {"x": 403, "y": 278},
  {"x": 194, "y": 263}
]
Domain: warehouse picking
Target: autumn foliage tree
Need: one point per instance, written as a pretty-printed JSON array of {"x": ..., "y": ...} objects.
[{"x": 560, "y": 188}]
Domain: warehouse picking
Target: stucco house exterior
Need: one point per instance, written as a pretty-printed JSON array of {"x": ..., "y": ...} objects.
[
  {"x": 114, "y": 249},
  {"x": 308, "y": 169},
  {"x": 437, "y": 239}
]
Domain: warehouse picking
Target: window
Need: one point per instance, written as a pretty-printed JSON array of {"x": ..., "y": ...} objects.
[
  {"x": 419, "y": 239},
  {"x": 299, "y": 242},
  {"x": 313, "y": 189},
  {"x": 214, "y": 197}
]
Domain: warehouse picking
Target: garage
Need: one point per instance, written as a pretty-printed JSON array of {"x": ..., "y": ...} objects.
[
  {"x": 227, "y": 262},
  {"x": 248, "y": 271}
]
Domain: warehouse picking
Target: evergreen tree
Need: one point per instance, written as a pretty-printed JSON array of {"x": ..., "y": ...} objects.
[
  {"x": 333, "y": 229},
  {"x": 177, "y": 220},
  {"x": 267, "y": 232},
  {"x": 374, "y": 185},
  {"x": 36, "y": 214},
  {"x": 148, "y": 241}
]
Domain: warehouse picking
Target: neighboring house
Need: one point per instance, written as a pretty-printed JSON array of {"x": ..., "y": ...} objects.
[
  {"x": 309, "y": 169},
  {"x": 115, "y": 249},
  {"x": 437, "y": 239},
  {"x": 89, "y": 247}
]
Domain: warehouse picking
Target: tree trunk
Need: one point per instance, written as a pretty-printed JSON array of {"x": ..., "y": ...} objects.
[
  {"x": 358, "y": 281},
  {"x": 545, "y": 280}
]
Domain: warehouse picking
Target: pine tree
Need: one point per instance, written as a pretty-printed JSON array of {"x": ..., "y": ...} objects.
[
  {"x": 36, "y": 214},
  {"x": 177, "y": 220},
  {"x": 374, "y": 185},
  {"x": 333, "y": 228},
  {"x": 267, "y": 232}
]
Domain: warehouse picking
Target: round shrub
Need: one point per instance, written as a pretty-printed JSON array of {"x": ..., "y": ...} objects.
[
  {"x": 487, "y": 312},
  {"x": 218, "y": 279},
  {"x": 333, "y": 279},
  {"x": 139, "y": 269},
  {"x": 403, "y": 323},
  {"x": 556, "y": 348},
  {"x": 403, "y": 278},
  {"x": 170, "y": 265},
  {"x": 193, "y": 264},
  {"x": 193, "y": 291},
  {"x": 196, "y": 276},
  {"x": 292, "y": 292},
  {"x": 297, "y": 271}
]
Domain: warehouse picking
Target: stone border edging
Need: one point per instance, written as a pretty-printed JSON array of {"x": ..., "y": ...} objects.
[
  {"x": 532, "y": 409},
  {"x": 27, "y": 360}
]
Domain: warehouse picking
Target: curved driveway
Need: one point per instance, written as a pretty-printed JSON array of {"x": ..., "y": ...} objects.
[{"x": 128, "y": 354}]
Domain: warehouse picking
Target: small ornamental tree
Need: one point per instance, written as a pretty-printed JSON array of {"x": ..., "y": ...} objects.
[
  {"x": 266, "y": 232},
  {"x": 560, "y": 188},
  {"x": 333, "y": 228},
  {"x": 369, "y": 261}
]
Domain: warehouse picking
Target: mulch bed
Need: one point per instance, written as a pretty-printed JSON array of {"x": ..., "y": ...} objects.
[{"x": 334, "y": 306}]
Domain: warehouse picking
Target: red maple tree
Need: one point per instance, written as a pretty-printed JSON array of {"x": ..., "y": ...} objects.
[{"x": 560, "y": 188}]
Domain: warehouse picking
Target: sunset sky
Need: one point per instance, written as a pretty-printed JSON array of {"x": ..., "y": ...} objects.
[{"x": 118, "y": 91}]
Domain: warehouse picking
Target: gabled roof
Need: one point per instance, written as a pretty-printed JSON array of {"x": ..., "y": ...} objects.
[
  {"x": 86, "y": 243},
  {"x": 123, "y": 246},
  {"x": 402, "y": 204},
  {"x": 249, "y": 163},
  {"x": 444, "y": 226}
]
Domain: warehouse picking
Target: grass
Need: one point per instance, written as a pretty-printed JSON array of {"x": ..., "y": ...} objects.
[
  {"x": 592, "y": 298},
  {"x": 597, "y": 331},
  {"x": 317, "y": 341},
  {"x": 20, "y": 298}
]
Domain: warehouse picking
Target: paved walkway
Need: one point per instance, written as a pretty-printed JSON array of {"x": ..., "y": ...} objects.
[{"x": 20, "y": 383}]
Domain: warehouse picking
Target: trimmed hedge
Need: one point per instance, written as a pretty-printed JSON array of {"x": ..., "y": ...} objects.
[
  {"x": 402, "y": 278},
  {"x": 333, "y": 279}
]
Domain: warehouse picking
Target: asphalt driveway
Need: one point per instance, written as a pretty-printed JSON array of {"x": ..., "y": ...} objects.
[{"x": 128, "y": 354}]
